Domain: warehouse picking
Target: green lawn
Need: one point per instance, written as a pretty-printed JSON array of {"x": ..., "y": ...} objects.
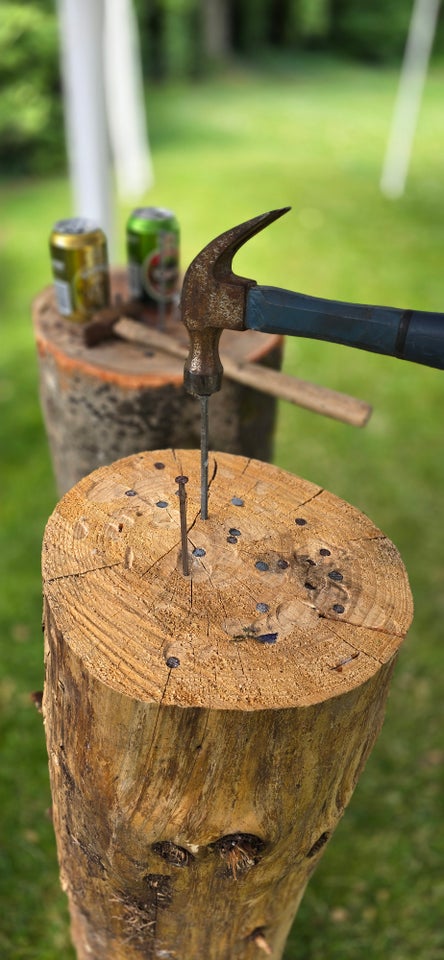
[{"x": 312, "y": 137}]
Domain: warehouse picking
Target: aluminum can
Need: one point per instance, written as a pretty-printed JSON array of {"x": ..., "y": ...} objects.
[
  {"x": 80, "y": 268},
  {"x": 152, "y": 237}
]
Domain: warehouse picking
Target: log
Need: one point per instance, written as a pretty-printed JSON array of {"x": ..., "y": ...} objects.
[
  {"x": 205, "y": 732},
  {"x": 118, "y": 398}
]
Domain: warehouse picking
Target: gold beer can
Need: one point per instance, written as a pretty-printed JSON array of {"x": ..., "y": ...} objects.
[{"x": 79, "y": 262}]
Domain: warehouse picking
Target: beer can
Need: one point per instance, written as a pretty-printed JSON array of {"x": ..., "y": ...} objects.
[
  {"x": 80, "y": 268},
  {"x": 152, "y": 237}
]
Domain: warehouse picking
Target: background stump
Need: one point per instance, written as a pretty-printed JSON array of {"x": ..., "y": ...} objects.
[
  {"x": 106, "y": 402},
  {"x": 205, "y": 733}
]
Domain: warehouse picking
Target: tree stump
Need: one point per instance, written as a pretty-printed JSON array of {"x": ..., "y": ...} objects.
[
  {"x": 205, "y": 732},
  {"x": 115, "y": 399}
]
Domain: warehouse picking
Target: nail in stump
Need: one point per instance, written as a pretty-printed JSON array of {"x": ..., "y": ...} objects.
[{"x": 183, "y": 523}]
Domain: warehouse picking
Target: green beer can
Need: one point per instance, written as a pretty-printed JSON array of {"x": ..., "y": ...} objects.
[
  {"x": 80, "y": 268},
  {"x": 152, "y": 237}
]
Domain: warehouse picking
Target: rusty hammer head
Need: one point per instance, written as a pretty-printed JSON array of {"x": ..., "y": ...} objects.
[{"x": 214, "y": 299}]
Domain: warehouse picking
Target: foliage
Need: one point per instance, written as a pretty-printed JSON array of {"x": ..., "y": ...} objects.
[
  {"x": 30, "y": 108},
  {"x": 367, "y": 30},
  {"x": 224, "y": 151}
]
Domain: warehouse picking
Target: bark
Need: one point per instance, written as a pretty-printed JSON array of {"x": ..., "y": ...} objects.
[
  {"x": 205, "y": 732},
  {"x": 103, "y": 403}
]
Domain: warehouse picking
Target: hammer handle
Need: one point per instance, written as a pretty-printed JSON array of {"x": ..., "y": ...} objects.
[
  {"x": 415, "y": 335},
  {"x": 330, "y": 403}
]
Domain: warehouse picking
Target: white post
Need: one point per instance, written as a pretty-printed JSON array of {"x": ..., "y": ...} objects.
[
  {"x": 81, "y": 28},
  {"x": 124, "y": 92},
  {"x": 408, "y": 101}
]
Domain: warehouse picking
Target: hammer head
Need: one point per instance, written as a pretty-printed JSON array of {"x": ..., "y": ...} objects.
[{"x": 215, "y": 299}]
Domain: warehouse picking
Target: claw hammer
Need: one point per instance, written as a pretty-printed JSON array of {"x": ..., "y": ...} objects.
[{"x": 216, "y": 299}]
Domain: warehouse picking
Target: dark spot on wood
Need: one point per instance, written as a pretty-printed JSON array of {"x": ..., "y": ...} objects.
[
  {"x": 120, "y": 527},
  {"x": 171, "y": 853},
  {"x": 173, "y": 662},
  {"x": 324, "y": 552},
  {"x": 159, "y": 466},
  {"x": 240, "y": 852},
  {"x": 282, "y": 564},
  {"x": 130, "y": 493},
  {"x": 300, "y": 522},
  {"x": 232, "y": 540},
  {"x": 335, "y": 575},
  {"x": 318, "y": 844},
  {"x": 267, "y": 638},
  {"x": 309, "y": 586},
  {"x": 302, "y": 558},
  {"x": 234, "y": 532}
]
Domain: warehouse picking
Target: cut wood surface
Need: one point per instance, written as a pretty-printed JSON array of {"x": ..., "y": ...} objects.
[
  {"x": 105, "y": 402},
  {"x": 205, "y": 733}
]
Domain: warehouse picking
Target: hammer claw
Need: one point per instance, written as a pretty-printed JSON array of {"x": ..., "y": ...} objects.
[{"x": 214, "y": 299}]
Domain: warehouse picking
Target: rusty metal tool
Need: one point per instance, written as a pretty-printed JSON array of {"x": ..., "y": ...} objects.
[{"x": 214, "y": 299}]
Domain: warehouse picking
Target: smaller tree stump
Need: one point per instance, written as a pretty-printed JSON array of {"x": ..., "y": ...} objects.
[
  {"x": 117, "y": 398},
  {"x": 205, "y": 732}
]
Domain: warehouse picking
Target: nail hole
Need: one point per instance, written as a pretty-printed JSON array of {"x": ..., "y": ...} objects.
[
  {"x": 335, "y": 575},
  {"x": 120, "y": 527},
  {"x": 172, "y": 662},
  {"x": 171, "y": 853},
  {"x": 309, "y": 586},
  {"x": 318, "y": 844},
  {"x": 267, "y": 638}
]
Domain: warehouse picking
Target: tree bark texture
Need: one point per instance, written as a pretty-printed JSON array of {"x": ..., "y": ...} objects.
[
  {"x": 205, "y": 732},
  {"x": 106, "y": 402}
]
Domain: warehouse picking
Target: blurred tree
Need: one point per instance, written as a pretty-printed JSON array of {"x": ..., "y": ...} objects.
[
  {"x": 31, "y": 127},
  {"x": 216, "y": 32},
  {"x": 369, "y": 29}
]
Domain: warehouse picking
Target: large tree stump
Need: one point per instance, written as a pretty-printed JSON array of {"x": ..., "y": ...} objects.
[
  {"x": 115, "y": 399},
  {"x": 205, "y": 732}
]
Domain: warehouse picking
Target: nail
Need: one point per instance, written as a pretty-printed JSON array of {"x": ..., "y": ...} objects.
[{"x": 181, "y": 481}]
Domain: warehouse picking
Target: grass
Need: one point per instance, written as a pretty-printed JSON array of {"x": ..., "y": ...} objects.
[{"x": 312, "y": 136}]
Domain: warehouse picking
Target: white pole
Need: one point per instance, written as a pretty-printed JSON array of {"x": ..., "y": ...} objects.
[
  {"x": 125, "y": 100},
  {"x": 408, "y": 101},
  {"x": 81, "y": 28}
]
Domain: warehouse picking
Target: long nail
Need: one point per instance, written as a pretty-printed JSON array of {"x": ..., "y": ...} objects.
[{"x": 183, "y": 523}]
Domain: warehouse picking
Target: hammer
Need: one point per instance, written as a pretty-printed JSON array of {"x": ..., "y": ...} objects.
[{"x": 215, "y": 299}]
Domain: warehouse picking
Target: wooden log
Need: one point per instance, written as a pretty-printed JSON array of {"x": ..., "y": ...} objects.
[
  {"x": 205, "y": 732},
  {"x": 117, "y": 398}
]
